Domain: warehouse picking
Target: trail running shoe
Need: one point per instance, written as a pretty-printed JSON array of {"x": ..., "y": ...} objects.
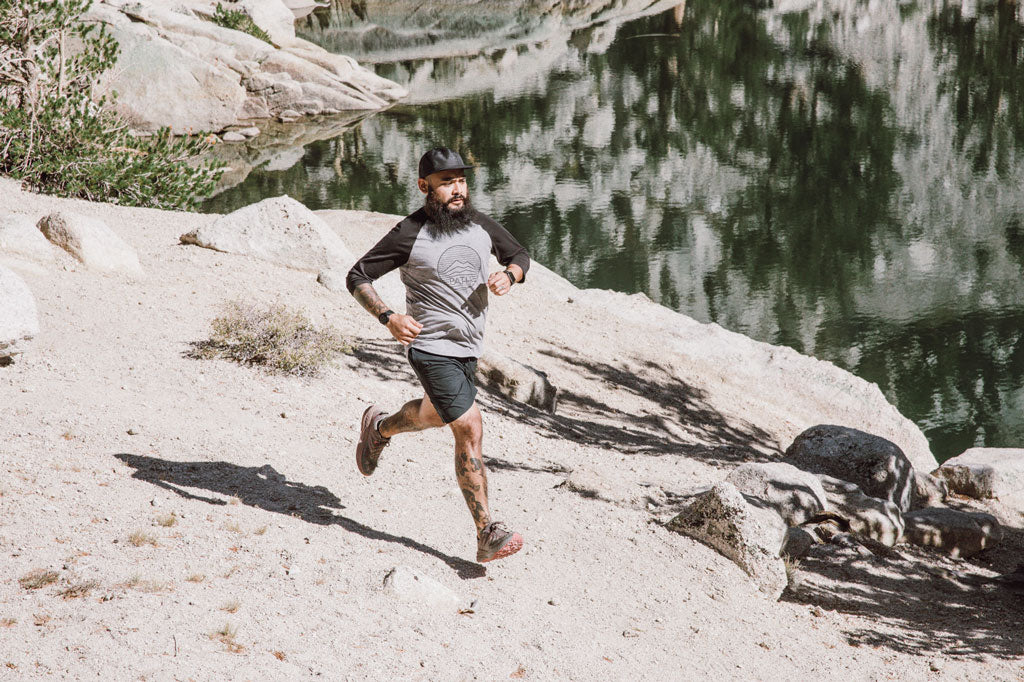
[
  {"x": 371, "y": 443},
  {"x": 496, "y": 542}
]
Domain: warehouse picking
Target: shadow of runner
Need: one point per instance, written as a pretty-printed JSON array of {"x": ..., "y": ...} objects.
[{"x": 265, "y": 488}]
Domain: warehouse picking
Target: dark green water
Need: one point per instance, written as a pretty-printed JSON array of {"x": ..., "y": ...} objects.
[{"x": 849, "y": 186}]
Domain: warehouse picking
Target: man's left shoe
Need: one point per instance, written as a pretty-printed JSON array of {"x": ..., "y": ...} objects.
[
  {"x": 496, "y": 542},
  {"x": 371, "y": 443}
]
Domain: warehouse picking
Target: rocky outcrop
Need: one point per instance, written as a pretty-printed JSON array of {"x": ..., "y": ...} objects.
[
  {"x": 868, "y": 516},
  {"x": 748, "y": 535},
  {"x": 957, "y": 533},
  {"x": 279, "y": 230},
  {"x": 19, "y": 320},
  {"x": 177, "y": 68},
  {"x": 987, "y": 473},
  {"x": 19, "y": 237},
  {"x": 928, "y": 491},
  {"x": 878, "y": 466},
  {"x": 516, "y": 381},
  {"x": 795, "y": 495},
  {"x": 90, "y": 241}
]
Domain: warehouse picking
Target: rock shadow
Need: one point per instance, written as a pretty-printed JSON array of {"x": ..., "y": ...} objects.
[
  {"x": 686, "y": 424},
  {"x": 918, "y": 601},
  {"x": 265, "y": 488}
]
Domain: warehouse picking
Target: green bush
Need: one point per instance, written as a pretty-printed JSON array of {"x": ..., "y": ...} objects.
[
  {"x": 239, "y": 21},
  {"x": 274, "y": 337},
  {"x": 54, "y": 132}
]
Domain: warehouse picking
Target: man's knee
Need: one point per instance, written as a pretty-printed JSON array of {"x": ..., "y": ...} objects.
[
  {"x": 469, "y": 425},
  {"x": 428, "y": 415}
]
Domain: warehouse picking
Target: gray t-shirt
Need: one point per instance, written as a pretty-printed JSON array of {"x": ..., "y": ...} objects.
[{"x": 445, "y": 278}]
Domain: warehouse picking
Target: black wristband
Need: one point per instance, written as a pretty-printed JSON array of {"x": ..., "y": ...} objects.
[
  {"x": 511, "y": 277},
  {"x": 383, "y": 317}
]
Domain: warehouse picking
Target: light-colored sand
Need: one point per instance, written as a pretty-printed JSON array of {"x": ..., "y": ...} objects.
[{"x": 275, "y": 519}]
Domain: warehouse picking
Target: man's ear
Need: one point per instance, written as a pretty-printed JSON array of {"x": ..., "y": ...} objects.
[{"x": 422, "y": 184}]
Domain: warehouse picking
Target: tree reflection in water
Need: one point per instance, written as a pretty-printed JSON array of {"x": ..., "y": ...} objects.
[{"x": 754, "y": 169}]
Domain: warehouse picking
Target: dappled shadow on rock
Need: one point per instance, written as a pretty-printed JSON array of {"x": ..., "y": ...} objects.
[
  {"x": 682, "y": 422},
  {"x": 265, "y": 488},
  {"x": 918, "y": 602}
]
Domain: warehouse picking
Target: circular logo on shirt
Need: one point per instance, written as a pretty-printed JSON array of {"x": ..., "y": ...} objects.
[{"x": 460, "y": 266}]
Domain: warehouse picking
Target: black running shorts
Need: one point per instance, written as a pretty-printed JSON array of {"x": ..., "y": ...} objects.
[{"x": 450, "y": 383}]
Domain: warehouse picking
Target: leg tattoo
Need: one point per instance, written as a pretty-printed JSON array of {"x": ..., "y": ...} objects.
[{"x": 472, "y": 477}]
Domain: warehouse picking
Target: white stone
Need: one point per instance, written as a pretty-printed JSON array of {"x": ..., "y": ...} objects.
[
  {"x": 795, "y": 495},
  {"x": 251, "y": 131},
  {"x": 233, "y": 136},
  {"x": 516, "y": 381},
  {"x": 20, "y": 237},
  {"x": 19, "y": 319},
  {"x": 91, "y": 242},
  {"x": 750, "y": 536},
  {"x": 279, "y": 230},
  {"x": 957, "y": 533},
  {"x": 412, "y": 586},
  {"x": 987, "y": 473}
]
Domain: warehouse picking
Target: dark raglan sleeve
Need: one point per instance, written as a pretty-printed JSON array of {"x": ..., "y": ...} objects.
[
  {"x": 505, "y": 247},
  {"x": 391, "y": 252}
]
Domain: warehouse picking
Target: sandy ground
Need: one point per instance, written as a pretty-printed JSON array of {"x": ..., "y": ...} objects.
[{"x": 108, "y": 429}]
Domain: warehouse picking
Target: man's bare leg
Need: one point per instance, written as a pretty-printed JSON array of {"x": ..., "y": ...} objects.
[
  {"x": 469, "y": 465},
  {"x": 415, "y": 415}
]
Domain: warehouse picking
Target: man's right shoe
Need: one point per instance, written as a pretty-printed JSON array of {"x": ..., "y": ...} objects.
[
  {"x": 371, "y": 443},
  {"x": 496, "y": 542}
]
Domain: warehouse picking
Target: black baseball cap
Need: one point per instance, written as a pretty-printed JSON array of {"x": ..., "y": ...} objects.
[{"x": 441, "y": 159}]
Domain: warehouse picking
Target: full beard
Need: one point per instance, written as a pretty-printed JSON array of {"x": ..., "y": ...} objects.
[{"x": 446, "y": 221}]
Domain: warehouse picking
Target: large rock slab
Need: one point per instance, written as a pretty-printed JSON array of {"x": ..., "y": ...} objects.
[
  {"x": 516, "y": 381},
  {"x": 90, "y": 241},
  {"x": 987, "y": 473},
  {"x": 19, "y": 319},
  {"x": 871, "y": 517},
  {"x": 20, "y": 237},
  {"x": 415, "y": 587},
  {"x": 793, "y": 494},
  {"x": 748, "y": 535},
  {"x": 878, "y": 466},
  {"x": 957, "y": 533},
  {"x": 279, "y": 230}
]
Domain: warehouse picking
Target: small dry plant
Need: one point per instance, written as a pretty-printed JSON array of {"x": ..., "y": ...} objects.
[
  {"x": 226, "y": 636},
  {"x": 275, "y": 337},
  {"x": 260, "y": 531},
  {"x": 233, "y": 527},
  {"x": 279, "y": 655},
  {"x": 139, "y": 537},
  {"x": 7, "y": 622},
  {"x": 231, "y": 606},
  {"x": 140, "y": 584},
  {"x": 167, "y": 520},
  {"x": 79, "y": 589},
  {"x": 196, "y": 578},
  {"x": 40, "y": 577}
]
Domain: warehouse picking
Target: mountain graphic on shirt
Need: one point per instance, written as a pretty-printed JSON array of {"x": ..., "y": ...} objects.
[{"x": 460, "y": 266}]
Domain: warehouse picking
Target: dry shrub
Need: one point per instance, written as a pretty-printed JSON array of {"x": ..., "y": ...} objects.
[
  {"x": 37, "y": 578},
  {"x": 274, "y": 337},
  {"x": 196, "y": 578},
  {"x": 138, "y": 538},
  {"x": 231, "y": 606},
  {"x": 279, "y": 655},
  {"x": 78, "y": 590},
  {"x": 226, "y": 636},
  {"x": 137, "y": 582},
  {"x": 7, "y": 622},
  {"x": 167, "y": 520}
]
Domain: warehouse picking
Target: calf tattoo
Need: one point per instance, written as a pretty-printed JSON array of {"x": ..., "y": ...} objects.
[{"x": 473, "y": 483}]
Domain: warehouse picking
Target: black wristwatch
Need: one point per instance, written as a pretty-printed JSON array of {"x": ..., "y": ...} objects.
[
  {"x": 383, "y": 317},
  {"x": 511, "y": 277}
]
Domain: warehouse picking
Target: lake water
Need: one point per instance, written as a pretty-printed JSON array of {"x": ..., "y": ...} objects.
[{"x": 847, "y": 184}]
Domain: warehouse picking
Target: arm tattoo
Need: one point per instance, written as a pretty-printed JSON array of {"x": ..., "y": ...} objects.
[{"x": 368, "y": 298}]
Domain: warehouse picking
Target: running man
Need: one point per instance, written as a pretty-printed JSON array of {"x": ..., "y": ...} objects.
[{"x": 442, "y": 251}]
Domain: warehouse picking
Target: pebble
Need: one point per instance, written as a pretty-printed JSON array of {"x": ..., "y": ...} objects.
[
  {"x": 133, "y": 432},
  {"x": 232, "y": 136},
  {"x": 935, "y": 665}
]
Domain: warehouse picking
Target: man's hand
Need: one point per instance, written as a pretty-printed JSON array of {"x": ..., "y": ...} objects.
[
  {"x": 499, "y": 283},
  {"x": 404, "y": 328}
]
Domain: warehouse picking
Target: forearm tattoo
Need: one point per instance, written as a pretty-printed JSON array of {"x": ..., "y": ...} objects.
[{"x": 368, "y": 298}]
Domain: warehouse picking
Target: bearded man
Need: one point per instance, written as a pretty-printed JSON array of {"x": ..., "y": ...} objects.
[{"x": 442, "y": 251}]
